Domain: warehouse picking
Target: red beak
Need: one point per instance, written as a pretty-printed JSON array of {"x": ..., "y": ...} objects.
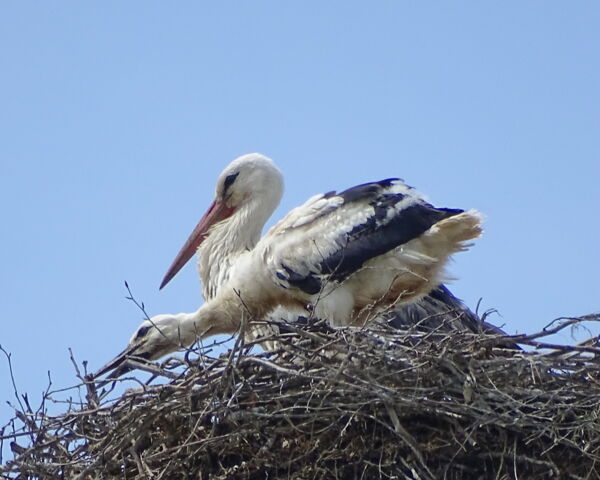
[{"x": 216, "y": 212}]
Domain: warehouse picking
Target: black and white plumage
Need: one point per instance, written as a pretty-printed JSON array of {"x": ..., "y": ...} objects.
[
  {"x": 366, "y": 221},
  {"x": 364, "y": 249},
  {"x": 347, "y": 256}
]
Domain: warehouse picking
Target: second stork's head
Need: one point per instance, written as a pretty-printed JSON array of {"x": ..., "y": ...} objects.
[
  {"x": 247, "y": 193},
  {"x": 164, "y": 334}
]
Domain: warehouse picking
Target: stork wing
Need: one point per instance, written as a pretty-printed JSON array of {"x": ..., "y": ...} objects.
[{"x": 332, "y": 235}]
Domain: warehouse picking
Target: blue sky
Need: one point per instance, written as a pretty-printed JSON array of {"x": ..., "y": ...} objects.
[{"x": 117, "y": 117}]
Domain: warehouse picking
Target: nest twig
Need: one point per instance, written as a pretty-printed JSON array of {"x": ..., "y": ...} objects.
[{"x": 336, "y": 404}]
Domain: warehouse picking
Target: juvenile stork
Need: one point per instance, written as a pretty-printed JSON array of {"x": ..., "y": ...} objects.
[{"x": 347, "y": 256}]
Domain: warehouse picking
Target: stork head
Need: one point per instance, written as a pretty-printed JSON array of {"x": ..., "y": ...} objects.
[
  {"x": 250, "y": 187},
  {"x": 164, "y": 334},
  {"x": 249, "y": 178},
  {"x": 153, "y": 339},
  {"x": 161, "y": 335}
]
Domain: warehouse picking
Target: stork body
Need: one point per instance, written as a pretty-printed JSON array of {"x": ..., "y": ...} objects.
[{"x": 345, "y": 256}]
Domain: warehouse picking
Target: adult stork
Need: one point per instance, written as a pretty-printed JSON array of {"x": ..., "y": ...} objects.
[{"x": 347, "y": 255}]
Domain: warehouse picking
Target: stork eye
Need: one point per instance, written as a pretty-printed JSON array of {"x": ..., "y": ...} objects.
[
  {"x": 229, "y": 179},
  {"x": 142, "y": 331}
]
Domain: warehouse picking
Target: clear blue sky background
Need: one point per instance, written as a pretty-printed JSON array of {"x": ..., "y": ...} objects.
[{"x": 117, "y": 117}]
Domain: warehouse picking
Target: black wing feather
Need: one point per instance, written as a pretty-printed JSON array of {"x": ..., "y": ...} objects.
[{"x": 380, "y": 234}]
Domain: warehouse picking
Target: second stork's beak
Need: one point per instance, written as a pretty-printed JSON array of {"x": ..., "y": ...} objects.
[
  {"x": 216, "y": 212},
  {"x": 120, "y": 365}
]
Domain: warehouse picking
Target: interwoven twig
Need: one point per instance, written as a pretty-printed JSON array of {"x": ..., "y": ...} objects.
[{"x": 341, "y": 404}]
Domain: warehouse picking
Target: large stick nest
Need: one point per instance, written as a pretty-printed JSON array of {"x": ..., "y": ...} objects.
[{"x": 340, "y": 404}]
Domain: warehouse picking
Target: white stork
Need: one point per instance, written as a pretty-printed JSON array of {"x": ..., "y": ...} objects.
[{"x": 347, "y": 255}]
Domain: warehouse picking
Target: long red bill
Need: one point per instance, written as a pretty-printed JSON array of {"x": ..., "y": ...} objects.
[{"x": 216, "y": 212}]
